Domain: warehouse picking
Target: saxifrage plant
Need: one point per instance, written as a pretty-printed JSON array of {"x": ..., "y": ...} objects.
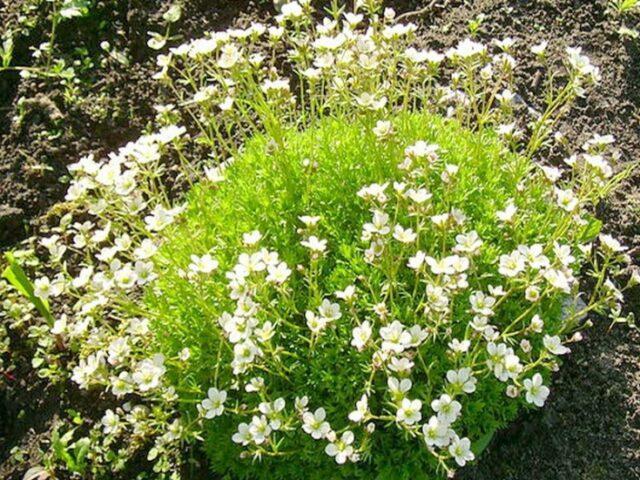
[
  {"x": 371, "y": 294},
  {"x": 336, "y": 254}
]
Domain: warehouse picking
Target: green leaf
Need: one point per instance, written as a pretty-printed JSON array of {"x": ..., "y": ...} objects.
[
  {"x": 15, "y": 275},
  {"x": 483, "y": 442},
  {"x": 81, "y": 449},
  {"x": 591, "y": 230}
]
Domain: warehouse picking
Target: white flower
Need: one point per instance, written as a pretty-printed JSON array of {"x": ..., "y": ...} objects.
[
  {"x": 511, "y": 265},
  {"x": 460, "y": 449},
  {"x": 121, "y": 385},
  {"x": 259, "y": 429},
  {"x": 534, "y": 256},
  {"x": 448, "y": 410},
  {"x": 315, "y": 425},
  {"x": 361, "y": 411},
  {"x": 566, "y": 199},
  {"x": 379, "y": 224},
  {"x": 442, "y": 266},
  {"x": 398, "y": 388},
  {"x": 146, "y": 250},
  {"x": 244, "y": 354},
  {"x": 554, "y": 345},
  {"x": 361, "y": 335},
  {"x": 110, "y": 422},
  {"x": 459, "y": 264},
  {"x": 118, "y": 350},
  {"x": 341, "y": 449},
  {"x": 581, "y": 64},
  {"x": 436, "y": 433},
  {"x": 314, "y": 244},
  {"x": 468, "y": 243},
  {"x": 532, "y": 293},
  {"x": 88, "y": 370},
  {"x": 416, "y": 262},
  {"x": 417, "y": 335},
  {"x": 278, "y": 273},
  {"x": 215, "y": 174},
  {"x": 552, "y": 174},
  {"x": 559, "y": 279},
  {"x": 291, "y": 11},
  {"x": 395, "y": 338},
  {"x": 383, "y": 129},
  {"x": 409, "y": 411},
  {"x": 459, "y": 346},
  {"x": 506, "y": 215},
  {"x": 254, "y": 385},
  {"x": 420, "y": 196},
  {"x": 599, "y": 164},
  {"x": 148, "y": 373},
  {"x": 272, "y": 411},
  {"x": 610, "y": 244},
  {"x": 251, "y": 238},
  {"x": 462, "y": 379},
  {"x": 482, "y": 304},
  {"x": 202, "y": 46},
  {"x": 42, "y": 288},
  {"x": 348, "y": 294},
  {"x": 440, "y": 220},
  {"x": 269, "y": 258},
  {"x": 229, "y": 56},
  {"x": 466, "y": 49},
  {"x": 537, "y": 393},
  {"x": 160, "y": 218},
  {"x": 213, "y": 405},
  {"x": 400, "y": 365},
  {"x": 374, "y": 192},
  {"x": 204, "y": 264},
  {"x": 309, "y": 221},
  {"x": 59, "y": 326},
  {"x": 537, "y": 324},
  {"x": 169, "y": 133},
  {"x": 539, "y": 49},
  {"x": 315, "y": 322},
  {"x": 371, "y": 102},
  {"x": 243, "y": 435},
  {"x": 509, "y": 368},
  {"x": 404, "y": 235},
  {"x": 329, "y": 311},
  {"x": 248, "y": 264}
]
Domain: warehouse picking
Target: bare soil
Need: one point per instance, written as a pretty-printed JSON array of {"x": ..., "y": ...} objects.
[{"x": 589, "y": 429}]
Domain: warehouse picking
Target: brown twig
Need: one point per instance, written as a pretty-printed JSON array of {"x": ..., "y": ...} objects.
[{"x": 417, "y": 12}]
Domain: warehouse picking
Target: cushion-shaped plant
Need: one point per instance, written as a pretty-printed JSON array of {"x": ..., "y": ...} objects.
[
  {"x": 370, "y": 294},
  {"x": 383, "y": 274}
]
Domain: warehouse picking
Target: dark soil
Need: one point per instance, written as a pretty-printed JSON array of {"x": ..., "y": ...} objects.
[{"x": 589, "y": 429}]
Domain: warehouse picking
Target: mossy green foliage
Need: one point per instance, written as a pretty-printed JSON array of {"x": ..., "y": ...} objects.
[{"x": 319, "y": 172}]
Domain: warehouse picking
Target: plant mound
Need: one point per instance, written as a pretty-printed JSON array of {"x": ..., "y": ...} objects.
[{"x": 381, "y": 295}]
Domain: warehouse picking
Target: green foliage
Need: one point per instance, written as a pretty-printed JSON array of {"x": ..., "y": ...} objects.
[
  {"x": 72, "y": 454},
  {"x": 624, "y": 6},
  {"x": 16, "y": 276},
  {"x": 319, "y": 172}
]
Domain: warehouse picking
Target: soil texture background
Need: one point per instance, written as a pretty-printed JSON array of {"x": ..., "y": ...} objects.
[{"x": 590, "y": 427}]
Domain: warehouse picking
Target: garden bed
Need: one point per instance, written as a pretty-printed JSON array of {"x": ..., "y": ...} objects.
[{"x": 588, "y": 429}]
